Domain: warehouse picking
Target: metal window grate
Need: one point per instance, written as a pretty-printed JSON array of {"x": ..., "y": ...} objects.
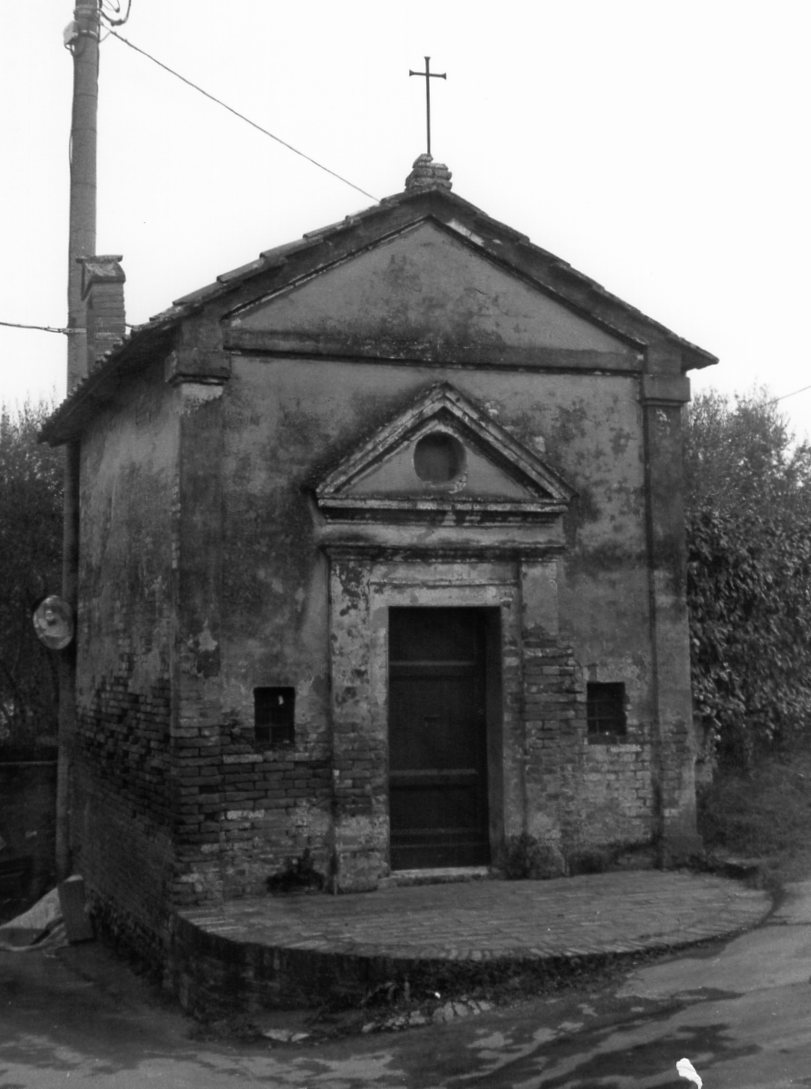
[
  {"x": 605, "y": 710},
  {"x": 274, "y": 715}
]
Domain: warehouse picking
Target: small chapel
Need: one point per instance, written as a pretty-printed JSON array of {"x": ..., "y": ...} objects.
[{"x": 381, "y": 569}]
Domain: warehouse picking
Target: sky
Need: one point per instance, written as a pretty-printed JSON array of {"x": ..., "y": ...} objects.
[{"x": 659, "y": 147}]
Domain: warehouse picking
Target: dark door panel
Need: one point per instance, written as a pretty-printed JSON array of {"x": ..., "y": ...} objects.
[{"x": 437, "y": 742}]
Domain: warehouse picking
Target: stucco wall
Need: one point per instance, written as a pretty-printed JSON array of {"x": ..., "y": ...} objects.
[
  {"x": 212, "y": 813},
  {"x": 286, "y": 421},
  {"x": 122, "y": 791},
  {"x": 215, "y": 562}
]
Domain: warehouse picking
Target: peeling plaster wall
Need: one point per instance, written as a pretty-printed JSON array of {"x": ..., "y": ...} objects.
[
  {"x": 209, "y": 572},
  {"x": 211, "y": 567},
  {"x": 121, "y": 816},
  {"x": 286, "y": 421},
  {"x": 426, "y": 281},
  {"x": 275, "y": 803}
]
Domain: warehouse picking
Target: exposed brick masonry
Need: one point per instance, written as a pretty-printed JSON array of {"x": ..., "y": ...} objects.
[
  {"x": 616, "y": 804},
  {"x": 122, "y": 788}
]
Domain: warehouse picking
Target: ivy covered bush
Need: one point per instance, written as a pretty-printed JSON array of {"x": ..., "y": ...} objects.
[
  {"x": 30, "y": 567},
  {"x": 748, "y": 519}
]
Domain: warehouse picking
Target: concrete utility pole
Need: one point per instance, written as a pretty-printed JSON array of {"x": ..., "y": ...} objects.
[{"x": 82, "y": 39}]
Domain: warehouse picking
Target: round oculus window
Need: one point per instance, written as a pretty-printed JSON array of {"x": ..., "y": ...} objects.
[{"x": 439, "y": 458}]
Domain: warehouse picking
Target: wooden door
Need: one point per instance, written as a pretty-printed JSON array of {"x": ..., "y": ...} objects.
[{"x": 437, "y": 738}]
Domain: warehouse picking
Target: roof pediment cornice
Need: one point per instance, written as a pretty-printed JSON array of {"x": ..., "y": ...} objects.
[{"x": 318, "y": 250}]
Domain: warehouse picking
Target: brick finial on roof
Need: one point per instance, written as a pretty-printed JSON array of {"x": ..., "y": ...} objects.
[{"x": 426, "y": 174}]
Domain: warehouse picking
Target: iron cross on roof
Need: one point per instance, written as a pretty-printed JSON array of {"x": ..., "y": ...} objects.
[{"x": 428, "y": 75}]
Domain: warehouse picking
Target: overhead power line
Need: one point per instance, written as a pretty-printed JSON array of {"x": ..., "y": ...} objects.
[
  {"x": 793, "y": 393},
  {"x": 241, "y": 116},
  {"x": 41, "y": 328}
]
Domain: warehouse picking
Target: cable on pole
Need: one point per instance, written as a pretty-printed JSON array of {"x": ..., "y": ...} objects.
[
  {"x": 242, "y": 117},
  {"x": 110, "y": 8},
  {"x": 40, "y": 328},
  {"x": 784, "y": 396}
]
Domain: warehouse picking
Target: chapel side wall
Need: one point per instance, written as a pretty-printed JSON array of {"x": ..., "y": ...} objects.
[
  {"x": 591, "y": 429},
  {"x": 608, "y": 787},
  {"x": 121, "y": 798},
  {"x": 276, "y": 808},
  {"x": 289, "y": 420}
]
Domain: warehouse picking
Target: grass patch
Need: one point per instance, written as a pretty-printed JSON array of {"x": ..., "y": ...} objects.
[{"x": 764, "y": 813}]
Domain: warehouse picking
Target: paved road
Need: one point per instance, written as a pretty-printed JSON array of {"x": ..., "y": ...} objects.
[{"x": 740, "y": 1011}]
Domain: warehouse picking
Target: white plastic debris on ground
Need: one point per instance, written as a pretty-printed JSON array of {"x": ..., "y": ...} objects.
[
  {"x": 42, "y": 925},
  {"x": 685, "y": 1069}
]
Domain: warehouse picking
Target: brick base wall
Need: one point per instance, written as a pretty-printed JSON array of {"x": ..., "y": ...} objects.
[
  {"x": 618, "y": 795},
  {"x": 122, "y": 801},
  {"x": 580, "y": 794},
  {"x": 249, "y": 816}
]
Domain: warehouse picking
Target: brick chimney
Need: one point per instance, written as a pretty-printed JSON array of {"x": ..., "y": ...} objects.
[{"x": 103, "y": 296}]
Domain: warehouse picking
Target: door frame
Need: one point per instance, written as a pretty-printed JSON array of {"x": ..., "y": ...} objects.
[
  {"x": 488, "y": 667},
  {"x": 364, "y": 582},
  {"x": 486, "y": 586}
]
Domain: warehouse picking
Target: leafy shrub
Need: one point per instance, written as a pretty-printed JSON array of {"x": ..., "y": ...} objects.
[
  {"x": 748, "y": 522},
  {"x": 31, "y": 563},
  {"x": 765, "y": 811}
]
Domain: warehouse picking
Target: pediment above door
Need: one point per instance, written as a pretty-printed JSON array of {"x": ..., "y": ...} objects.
[{"x": 444, "y": 456}]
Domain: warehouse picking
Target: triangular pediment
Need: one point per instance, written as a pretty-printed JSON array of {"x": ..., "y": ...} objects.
[
  {"x": 422, "y": 292},
  {"x": 443, "y": 454}
]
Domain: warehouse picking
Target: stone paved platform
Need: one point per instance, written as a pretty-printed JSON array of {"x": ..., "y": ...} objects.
[{"x": 281, "y": 950}]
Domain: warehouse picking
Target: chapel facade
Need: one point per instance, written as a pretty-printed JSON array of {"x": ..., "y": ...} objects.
[{"x": 381, "y": 570}]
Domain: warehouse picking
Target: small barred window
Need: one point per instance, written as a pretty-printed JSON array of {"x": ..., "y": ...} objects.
[
  {"x": 605, "y": 711},
  {"x": 274, "y": 716}
]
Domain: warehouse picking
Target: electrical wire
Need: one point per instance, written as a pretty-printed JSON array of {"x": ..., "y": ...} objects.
[
  {"x": 783, "y": 397},
  {"x": 241, "y": 116},
  {"x": 41, "y": 328}
]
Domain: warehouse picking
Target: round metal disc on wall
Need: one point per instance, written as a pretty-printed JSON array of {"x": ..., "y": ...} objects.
[{"x": 53, "y": 622}]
